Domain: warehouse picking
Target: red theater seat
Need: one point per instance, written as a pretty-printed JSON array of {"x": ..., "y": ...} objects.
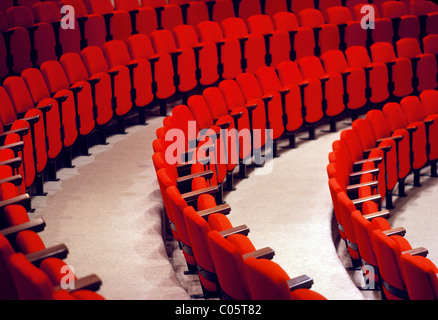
[{"x": 267, "y": 280}]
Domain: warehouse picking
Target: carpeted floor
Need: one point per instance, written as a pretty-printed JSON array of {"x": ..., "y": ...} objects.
[{"x": 107, "y": 210}]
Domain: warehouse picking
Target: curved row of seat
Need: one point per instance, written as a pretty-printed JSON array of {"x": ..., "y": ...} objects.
[
  {"x": 367, "y": 162},
  {"x": 32, "y": 37},
  {"x": 222, "y": 255},
  {"x": 84, "y": 91}
]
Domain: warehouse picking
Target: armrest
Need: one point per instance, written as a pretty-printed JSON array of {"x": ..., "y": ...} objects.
[
  {"x": 264, "y": 253},
  {"x": 417, "y": 252},
  {"x": 193, "y": 195},
  {"x": 300, "y": 282},
  {"x": 380, "y": 214},
  {"x": 355, "y": 187},
  {"x": 361, "y": 162},
  {"x": 395, "y": 138},
  {"x": 188, "y": 178},
  {"x": 77, "y": 89},
  {"x": 399, "y": 231},
  {"x": 46, "y": 108},
  {"x": 243, "y": 229},
  {"x": 251, "y": 107},
  {"x": 223, "y": 209},
  {"x": 15, "y": 180},
  {"x": 359, "y": 202},
  {"x": 20, "y": 131},
  {"x": 13, "y": 163},
  {"x": 185, "y": 166},
  {"x": 16, "y": 146},
  {"x": 59, "y": 251},
  {"x": 224, "y": 125},
  {"x": 91, "y": 282},
  {"x": 358, "y": 174},
  {"x": 21, "y": 199},
  {"x": 36, "y": 225},
  {"x": 94, "y": 81}
]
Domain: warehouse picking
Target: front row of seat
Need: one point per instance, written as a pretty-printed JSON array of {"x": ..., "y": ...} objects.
[
  {"x": 222, "y": 255},
  {"x": 28, "y": 269},
  {"x": 364, "y": 166}
]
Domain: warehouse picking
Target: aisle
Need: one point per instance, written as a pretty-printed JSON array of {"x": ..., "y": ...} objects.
[{"x": 107, "y": 211}]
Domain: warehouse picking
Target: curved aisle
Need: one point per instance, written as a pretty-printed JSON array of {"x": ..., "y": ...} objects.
[
  {"x": 290, "y": 210},
  {"x": 107, "y": 211}
]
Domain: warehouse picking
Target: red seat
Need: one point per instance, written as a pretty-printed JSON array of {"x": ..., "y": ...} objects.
[
  {"x": 118, "y": 22},
  {"x": 95, "y": 63},
  {"x": 68, "y": 37},
  {"x": 33, "y": 283},
  {"x": 229, "y": 52},
  {"x": 222, "y": 10},
  {"x": 267, "y": 280},
  {"x": 269, "y": 110},
  {"x": 218, "y": 107},
  {"x": 163, "y": 86},
  {"x": 350, "y": 30},
  {"x": 397, "y": 120},
  {"x": 420, "y": 277},
  {"x": 140, "y": 74},
  {"x": 428, "y": 14},
  {"x": 81, "y": 117},
  {"x": 327, "y": 34},
  {"x": 405, "y": 25},
  {"x": 100, "y": 85},
  {"x": 276, "y": 41},
  {"x": 228, "y": 257},
  {"x": 381, "y": 130},
  {"x": 248, "y": 8},
  {"x": 416, "y": 112},
  {"x": 226, "y": 147},
  {"x": 376, "y": 73},
  {"x": 198, "y": 228},
  {"x": 143, "y": 19},
  {"x": 364, "y": 223},
  {"x": 399, "y": 69},
  {"x": 289, "y": 95},
  {"x": 169, "y": 16},
  {"x": 424, "y": 64},
  {"x": 367, "y": 142},
  {"x": 196, "y": 12},
  {"x": 354, "y": 80},
  {"x": 333, "y": 88},
  {"x": 388, "y": 252},
  {"x": 252, "y": 45},
  {"x": 311, "y": 93},
  {"x": 302, "y": 39},
  {"x": 205, "y": 53},
  {"x": 184, "y": 61},
  {"x": 253, "y": 118},
  {"x": 382, "y": 30}
]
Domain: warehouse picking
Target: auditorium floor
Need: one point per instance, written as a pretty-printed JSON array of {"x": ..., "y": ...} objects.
[{"x": 107, "y": 211}]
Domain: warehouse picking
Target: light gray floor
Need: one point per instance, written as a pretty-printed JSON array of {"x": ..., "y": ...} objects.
[{"x": 107, "y": 211}]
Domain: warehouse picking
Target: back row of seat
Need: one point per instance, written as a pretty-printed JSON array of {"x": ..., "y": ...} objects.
[
  {"x": 42, "y": 36},
  {"x": 366, "y": 164}
]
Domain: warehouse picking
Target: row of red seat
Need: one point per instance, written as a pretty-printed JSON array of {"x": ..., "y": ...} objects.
[
  {"x": 81, "y": 93},
  {"x": 30, "y": 270},
  {"x": 366, "y": 163},
  {"x": 306, "y": 32},
  {"x": 80, "y": 100},
  {"x": 222, "y": 255}
]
